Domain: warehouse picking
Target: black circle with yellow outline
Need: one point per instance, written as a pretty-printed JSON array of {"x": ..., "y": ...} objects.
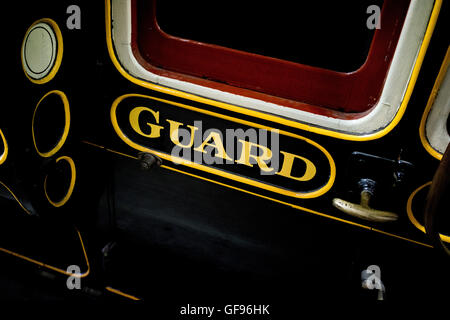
[
  {"x": 68, "y": 194},
  {"x": 65, "y": 131}
]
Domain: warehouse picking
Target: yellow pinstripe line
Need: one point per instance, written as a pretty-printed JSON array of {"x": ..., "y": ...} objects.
[
  {"x": 129, "y": 296},
  {"x": 4, "y": 154},
  {"x": 17, "y": 199}
]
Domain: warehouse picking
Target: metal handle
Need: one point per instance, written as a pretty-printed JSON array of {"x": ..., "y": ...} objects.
[
  {"x": 363, "y": 210},
  {"x": 148, "y": 160}
]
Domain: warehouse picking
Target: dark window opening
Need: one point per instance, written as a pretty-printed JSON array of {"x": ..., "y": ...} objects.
[{"x": 331, "y": 34}]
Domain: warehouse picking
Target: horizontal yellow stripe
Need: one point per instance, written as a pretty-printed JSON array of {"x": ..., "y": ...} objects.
[
  {"x": 129, "y": 296},
  {"x": 110, "y": 150}
]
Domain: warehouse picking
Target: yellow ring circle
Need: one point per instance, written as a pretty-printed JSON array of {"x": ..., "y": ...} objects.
[
  {"x": 63, "y": 138},
  {"x": 411, "y": 215},
  {"x": 66, "y": 198}
]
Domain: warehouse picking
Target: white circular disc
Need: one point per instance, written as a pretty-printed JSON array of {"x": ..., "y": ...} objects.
[{"x": 39, "y": 51}]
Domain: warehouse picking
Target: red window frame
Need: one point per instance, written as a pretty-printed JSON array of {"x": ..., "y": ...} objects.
[{"x": 346, "y": 95}]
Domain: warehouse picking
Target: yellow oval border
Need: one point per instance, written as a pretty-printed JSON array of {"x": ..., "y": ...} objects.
[
  {"x": 4, "y": 155},
  {"x": 73, "y": 173},
  {"x": 63, "y": 138},
  {"x": 437, "y": 84},
  {"x": 235, "y": 177},
  {"x": 277, "y": 119},
  {"x": 59, "y": 52},
  {"x": 411, "y": 214}
]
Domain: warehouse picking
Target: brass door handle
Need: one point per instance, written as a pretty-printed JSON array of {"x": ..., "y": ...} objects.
[{"x": 363, "y": 210}]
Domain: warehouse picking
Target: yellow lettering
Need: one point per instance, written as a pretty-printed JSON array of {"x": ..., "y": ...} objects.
[
  {"x": 174, "y": 136},
  {"x": 288, "y": 163},
  {"x": 246, "y": 155},
  {"x": 216, "y": 143},
  {"x": 155, "y": 131}
]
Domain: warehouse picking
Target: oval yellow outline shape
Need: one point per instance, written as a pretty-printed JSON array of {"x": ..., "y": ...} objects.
[
  {"x": 437, "y": 84},
  {"x": 235, "y": 177},
  {"x": 5, "y": 148},
  {"x": 63, "y": 138},
  {"x": 411, "y": 214},
  {"x": 73, "y": 174},
  {"x": 278, "y": 119},
  {"x": 59, "y": 51}
]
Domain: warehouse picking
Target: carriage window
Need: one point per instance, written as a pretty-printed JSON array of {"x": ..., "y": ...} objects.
[
  {"x": 314, "y": 63},
  {"x": 306, "y": 55}
]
